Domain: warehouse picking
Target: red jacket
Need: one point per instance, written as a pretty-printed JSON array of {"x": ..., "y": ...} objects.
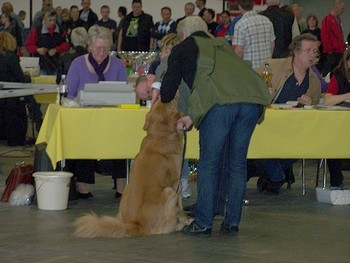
[{"x": 332, "y": 35}]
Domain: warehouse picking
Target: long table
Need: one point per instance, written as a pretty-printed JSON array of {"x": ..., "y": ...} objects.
[{"x": 114, "y": 133}]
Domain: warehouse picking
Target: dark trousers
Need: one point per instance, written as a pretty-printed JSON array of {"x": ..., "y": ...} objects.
[
  {"x": 335, "y": 170},
  {"x": 84, "y": 169}
]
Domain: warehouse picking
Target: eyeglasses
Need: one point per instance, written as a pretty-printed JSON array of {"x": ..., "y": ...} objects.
[
  {"x": 101, "y": 49},
  {"x": 310, "y": 51}
]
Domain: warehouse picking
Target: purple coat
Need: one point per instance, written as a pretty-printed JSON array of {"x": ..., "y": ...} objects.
[{"x": 81, "y": 73}]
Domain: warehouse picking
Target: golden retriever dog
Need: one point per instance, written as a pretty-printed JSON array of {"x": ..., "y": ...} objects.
[{"x": 150, "y": 203}]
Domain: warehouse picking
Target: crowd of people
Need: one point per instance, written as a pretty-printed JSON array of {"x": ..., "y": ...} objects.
[{"x": 298, "y": 52}]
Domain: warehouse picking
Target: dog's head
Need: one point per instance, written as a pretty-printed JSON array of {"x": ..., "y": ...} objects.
[{"x": 162, "y": 118}]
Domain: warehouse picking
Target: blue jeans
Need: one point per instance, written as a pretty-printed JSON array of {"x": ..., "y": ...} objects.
[
  {"x": 275, "y": 168},
  {"x": 231, "y": 124}
]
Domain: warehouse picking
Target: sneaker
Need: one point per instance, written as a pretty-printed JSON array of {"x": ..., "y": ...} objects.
[
  {"x": 185, "y": 188},
  {"x": 196, "y": 230},
  {"x": 227, "y": 230}
]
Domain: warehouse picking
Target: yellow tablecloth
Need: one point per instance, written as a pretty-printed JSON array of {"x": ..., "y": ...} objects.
[
  {"x": 46, "y": 98},
  {"x": 107, "y": 133}
]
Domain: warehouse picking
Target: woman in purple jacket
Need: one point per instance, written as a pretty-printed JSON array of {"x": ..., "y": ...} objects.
[{"x": 94, "y": 67}]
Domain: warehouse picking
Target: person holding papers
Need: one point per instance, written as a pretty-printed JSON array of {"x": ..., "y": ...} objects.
[
  {"x": 94, "y": 67},
  {"x": 292, "y": 80},
  {"x": 338, "y": 93}
]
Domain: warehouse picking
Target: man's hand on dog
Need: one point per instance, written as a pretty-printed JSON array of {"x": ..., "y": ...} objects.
[{"x": 184, "y": 122}]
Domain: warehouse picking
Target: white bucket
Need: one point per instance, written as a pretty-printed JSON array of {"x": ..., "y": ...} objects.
[{"x": 52, "y": 189}]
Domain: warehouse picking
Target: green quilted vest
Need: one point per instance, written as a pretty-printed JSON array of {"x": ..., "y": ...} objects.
[{"x": 221, "y": 78}]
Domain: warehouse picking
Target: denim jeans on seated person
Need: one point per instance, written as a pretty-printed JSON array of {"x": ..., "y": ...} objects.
[
  {"x": 275, "y": 168},
  {"x": 232, "y": 124}
]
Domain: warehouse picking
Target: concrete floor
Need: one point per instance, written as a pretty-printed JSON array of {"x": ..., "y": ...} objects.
[{"x": 285, "y": 228}]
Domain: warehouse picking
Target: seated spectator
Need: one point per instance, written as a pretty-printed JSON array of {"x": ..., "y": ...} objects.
[
  {"x": 292, "y": 80},
  {"x": 93, "y": 67},
  {"x": 13, "y": 115},
  {"x": 225, "y": 27},
  {"x": 47, "y": 41},
  {"x": 337, "y": 93},
  {"x": 65, "y": 18},
  {"x": 79, "y": 38}
]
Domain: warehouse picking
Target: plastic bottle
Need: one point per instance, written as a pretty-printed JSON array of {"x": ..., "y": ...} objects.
[
  {"x": 62, "y": 89},
  {"x": 267, "y": 76}
]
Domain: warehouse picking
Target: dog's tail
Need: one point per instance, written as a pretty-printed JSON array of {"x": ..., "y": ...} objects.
[{"x": 91, "y": 226}]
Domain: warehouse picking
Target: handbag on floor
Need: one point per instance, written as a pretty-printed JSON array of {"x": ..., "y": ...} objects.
[{"x": 21, "y": 174}]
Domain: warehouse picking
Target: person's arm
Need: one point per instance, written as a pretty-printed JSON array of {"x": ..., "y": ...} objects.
[
  {"x": 272, "y": 46},
  {"x": 73, "y": 79},
  {"x": 332, "y": 97},
  {"x": 30, "y": 44},
  {"x": 331, "y": 100},
  {"x": 238, "y": 40},
  {"x": 239, "y": 50},
  {"x": 64, "y": 46},
  {"x": 120, "y": 39}
]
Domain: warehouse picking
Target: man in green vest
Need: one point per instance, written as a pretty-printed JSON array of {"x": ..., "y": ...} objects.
[{"x": 227, "y": 100}]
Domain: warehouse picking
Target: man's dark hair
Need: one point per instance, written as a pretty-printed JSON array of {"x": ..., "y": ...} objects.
[
  {"x": 211, "y": 12},
  {"x": 137, "y": 2},
  {"x": 122, "y": 9},
  {"x": 74, "y": 6},
  {"x": 246, "y": 4},
  {"x": 166, "y": 8},
  {"x": 105, "y": 6}
]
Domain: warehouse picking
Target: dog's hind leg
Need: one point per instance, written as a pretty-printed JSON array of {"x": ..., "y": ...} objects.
[{"x": 169, "y": 223}]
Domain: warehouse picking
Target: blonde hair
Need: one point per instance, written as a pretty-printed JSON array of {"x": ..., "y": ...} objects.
[
  {"x": 7, "y": 42},
  {"x": 99, "y": 32},
  {"x": 47, "y": 12},
  {"x": 79, "y": 37},
  {"x": 191, "y": 24},
  {"x": 7, "y": 8},
  {"x": 169, "y": 41}
]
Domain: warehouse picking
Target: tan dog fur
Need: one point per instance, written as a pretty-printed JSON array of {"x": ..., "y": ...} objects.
[{"x": 150, "y": 203}]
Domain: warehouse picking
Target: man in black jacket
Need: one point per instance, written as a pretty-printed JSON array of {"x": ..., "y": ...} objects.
[
  {"x": 87, "y": 15},
  {"x": 136, "y": 32},
  {"x": 282, "y": 21}
]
